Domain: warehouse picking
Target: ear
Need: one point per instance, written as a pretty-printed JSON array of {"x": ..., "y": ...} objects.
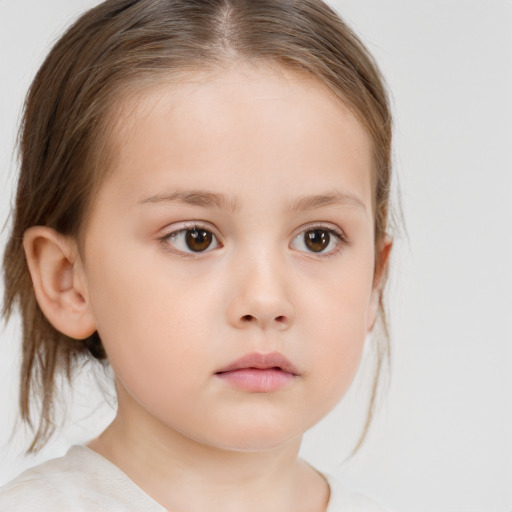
[
  {"x": 381, "y": 268},
  {"x": 58, "y": 280}
]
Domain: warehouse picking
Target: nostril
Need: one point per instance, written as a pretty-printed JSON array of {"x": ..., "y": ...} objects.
[{"x": 282, "y": 319}]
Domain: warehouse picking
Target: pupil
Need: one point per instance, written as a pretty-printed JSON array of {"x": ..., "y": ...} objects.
[
  {"x": 317, "y": 240},
  {"x": 198, "y": 239}
]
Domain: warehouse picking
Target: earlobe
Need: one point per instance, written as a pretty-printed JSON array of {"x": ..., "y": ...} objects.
[
  {"x": 58, "y": 281},
  {"x": 379, "y": 279}
]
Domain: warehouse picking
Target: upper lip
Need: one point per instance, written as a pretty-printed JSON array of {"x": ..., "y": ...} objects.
[{"x": 261, "y": 362}]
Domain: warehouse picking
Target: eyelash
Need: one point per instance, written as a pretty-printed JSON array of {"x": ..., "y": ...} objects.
[
  {"x": 164, "y": 240},
  {"x": 342, "y": 240}
]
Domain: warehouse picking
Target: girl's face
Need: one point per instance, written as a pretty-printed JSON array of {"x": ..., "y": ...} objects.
[{"x": 236, "y": 223}]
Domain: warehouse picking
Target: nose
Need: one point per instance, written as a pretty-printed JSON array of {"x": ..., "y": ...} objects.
[{"x": 261, "y": 298}]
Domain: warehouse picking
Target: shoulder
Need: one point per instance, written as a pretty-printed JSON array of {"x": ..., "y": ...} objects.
[
  {"x": 49, "y": 486},
  {"x": 345, "y": 500},
  {"x": 81, "y": 480}
]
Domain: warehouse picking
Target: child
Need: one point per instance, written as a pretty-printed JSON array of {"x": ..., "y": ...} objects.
[{"x": 202, "y": 203}]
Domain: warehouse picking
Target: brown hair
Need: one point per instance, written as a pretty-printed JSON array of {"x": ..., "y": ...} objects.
[{"x": 125, "y": 44}]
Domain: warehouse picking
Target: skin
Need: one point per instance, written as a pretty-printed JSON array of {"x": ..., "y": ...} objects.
[{"x": 170, "y": 318}]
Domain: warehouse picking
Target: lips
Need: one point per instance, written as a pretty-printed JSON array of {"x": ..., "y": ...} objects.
[
  {"x": 259, "y": 373},
  {"x": 262, "y": 362}
]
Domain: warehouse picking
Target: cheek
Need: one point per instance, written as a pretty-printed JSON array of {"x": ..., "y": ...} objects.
[
  {"x": 142, "y": 305},
  {"x": 337, "y": 316},
  {"x": 337, "y": 353},
  {"x": 153, "y": 326}
]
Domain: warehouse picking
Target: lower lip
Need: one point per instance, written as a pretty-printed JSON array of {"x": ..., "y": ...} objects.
[{"x": 256, "y": 380}]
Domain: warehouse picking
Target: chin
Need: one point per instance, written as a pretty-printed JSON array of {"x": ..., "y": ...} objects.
[{"x": 255, "y": 436}]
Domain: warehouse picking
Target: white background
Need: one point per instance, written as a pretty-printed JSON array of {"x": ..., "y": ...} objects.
[{"x": 442, "y": 440}]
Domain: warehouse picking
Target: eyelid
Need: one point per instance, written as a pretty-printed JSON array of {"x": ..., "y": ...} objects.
[
  {"x": 322, "y": 225},
  {"x": 343, "y": 240},
  {"x": 190, "y": 225},
  {"x": 185, "y": 226}
]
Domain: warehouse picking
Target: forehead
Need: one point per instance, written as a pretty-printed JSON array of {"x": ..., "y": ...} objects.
[{"x": 233, "y": 128}]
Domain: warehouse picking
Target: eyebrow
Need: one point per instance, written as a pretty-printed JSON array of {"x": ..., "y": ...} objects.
[
  {"x": 208, "y": 199},
  {"x": 335, "y": 198},
  {"x": 201, "y": 198}
]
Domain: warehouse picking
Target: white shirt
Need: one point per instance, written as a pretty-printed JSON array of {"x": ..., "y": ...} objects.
[{"x": 85, "y": 481}]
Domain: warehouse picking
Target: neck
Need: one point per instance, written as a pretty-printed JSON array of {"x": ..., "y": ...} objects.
[{"x": 182, "y": 474}]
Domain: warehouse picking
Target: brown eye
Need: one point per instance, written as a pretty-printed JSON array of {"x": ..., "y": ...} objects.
[
  {"x": 317, "y": 240},
  {"x": 198, "y": 239},
  {"x": 192, "y": 240}
]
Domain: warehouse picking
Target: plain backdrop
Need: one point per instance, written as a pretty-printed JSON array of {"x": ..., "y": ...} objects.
[{"x": 441, "y": 440}]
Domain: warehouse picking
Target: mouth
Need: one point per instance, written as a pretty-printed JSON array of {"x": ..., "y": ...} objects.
[{"x": 259, "y": 373}]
